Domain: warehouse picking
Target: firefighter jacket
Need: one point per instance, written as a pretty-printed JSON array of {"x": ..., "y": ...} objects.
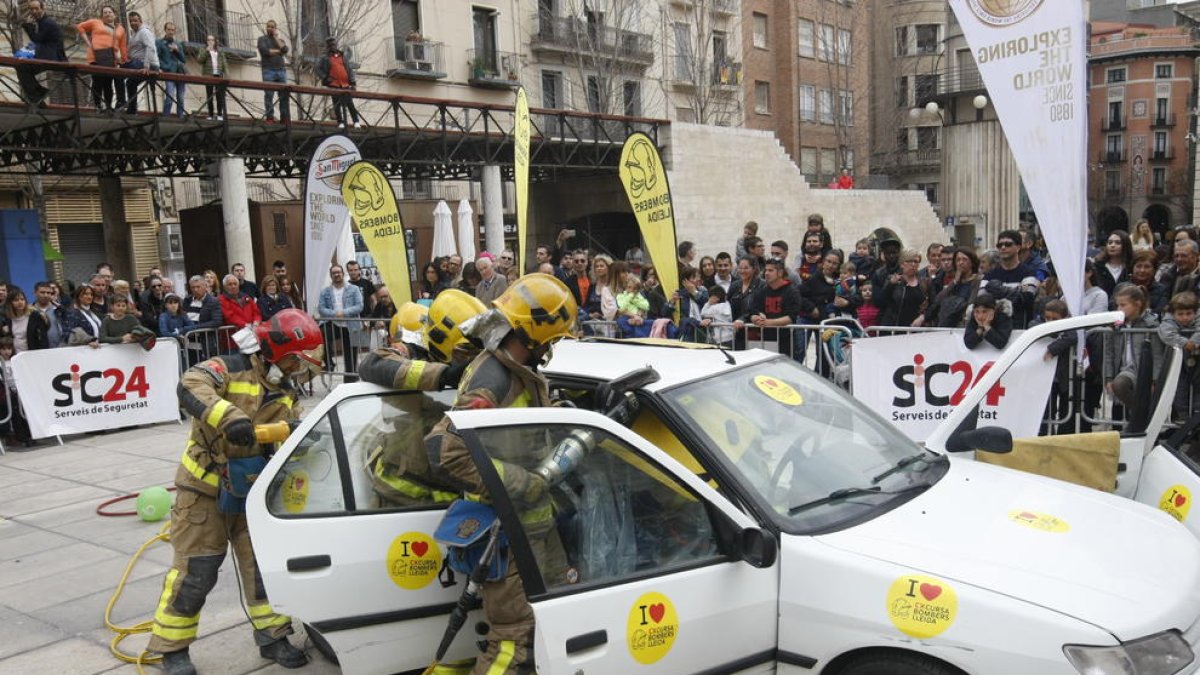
[{"x": 216, "y": 393}]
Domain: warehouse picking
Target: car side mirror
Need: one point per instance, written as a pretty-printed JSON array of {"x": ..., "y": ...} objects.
[
  {"x": 758, "y": 547},
  {"x": 987, "y": 439}
]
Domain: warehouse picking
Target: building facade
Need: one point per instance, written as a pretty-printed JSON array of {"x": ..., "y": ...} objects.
[{"x": 1140, "y": 151}]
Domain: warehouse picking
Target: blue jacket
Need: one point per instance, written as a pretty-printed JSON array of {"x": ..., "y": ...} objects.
[
  {"x": 269, "y": 307},
  {"x": 352, "y": 304},
  {"x": 173, "y": 325},
  {"x": 169, "y": 62}
]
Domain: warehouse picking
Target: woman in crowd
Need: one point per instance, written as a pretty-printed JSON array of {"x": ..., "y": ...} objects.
[
  {"x": 1115, "y": 262},
  {"x": 691, "y": 297},
  {"x": 745, "y": 285},
  {"x": 214, "y": 286},
  {"x": 904, "y": 296},
  {"x": 271, "y": 299},
  {"x": 1143, "y": 236},
  {"x": 30, "y": 328},
  {"x": 1123, "y": 352},
  {"x": 708, "y": 271},
  {"x": 948, "y": 309},
  {"x": 291, "y": 290},
  {"x": 601, "y": 302},
  {"x": 1145, "y": 264},
  {"x": 80, "y": 324},
  {"x": 431, "y": 282},
  {"x": 106, "y": 46},
  {"x": 470, "y": 279},
  {"x": 213, "y": 64}
]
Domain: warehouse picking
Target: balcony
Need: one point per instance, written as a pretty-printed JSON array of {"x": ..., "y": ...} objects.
[
  {"x": 1158, "y": 190},
  {"x": 414, "y": 59},
  {"x": 1163, "y": 122},
  {"x": 493, "y": 70},
  {"x": 1111, "y": 157},
  {"x": 1112, "y": 123},
  {"x": 1162, "y": 154},
  {"x": 571, "y": 36},
  {"x": 925, "y": 157},
  {"x": 960, "y": 81},
  {"x": 715, "y": 6},
  {"x": 236, "y": 33},
  {"x": 727, "y": 75}
]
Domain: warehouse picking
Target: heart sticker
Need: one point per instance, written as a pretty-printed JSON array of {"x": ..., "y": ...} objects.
[
  {"x": 413, "y": 560},
  {"x": 921, "y": 606},
  {"x": 1179, "y": 500},
  {"x": 657, "y": 611},
  {"x": 1039, "y": 521},
  {"x": 652, "y": 628},
  {"x": 1176, "y": 501},
  {"x": 420, "y": 548}
]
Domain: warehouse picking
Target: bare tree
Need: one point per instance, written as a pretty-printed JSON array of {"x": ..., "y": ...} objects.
[
  {"x": 702, "y": 65},
  {"x": 844, "y": 60}
]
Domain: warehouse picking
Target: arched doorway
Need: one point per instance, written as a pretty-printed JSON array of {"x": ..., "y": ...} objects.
[
  {"x": 1159, "y": 217},
  {"x": 1112, "y": 218}
]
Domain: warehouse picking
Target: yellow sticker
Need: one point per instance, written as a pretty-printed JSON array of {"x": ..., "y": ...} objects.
[
  {"x": 295, "y": 491},
  {"x": 778, "y": 390},
  {"x": 921, "y": 606},
  {"x": 1038, "y": 521},
  {"x": 413, "y": 560},
  {"x": 1177, "y": 501},
  {"x": 652, "y": 628}
]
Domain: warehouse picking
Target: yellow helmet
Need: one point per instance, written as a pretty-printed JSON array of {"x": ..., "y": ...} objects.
[
  {"x": 539, "y": 308},
  {"x": 443, "y": 324},
  {"x": 410, "y": 316}
]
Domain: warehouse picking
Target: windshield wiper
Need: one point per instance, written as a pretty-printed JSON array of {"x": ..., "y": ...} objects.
[
  {"x": 905, "y": 461},
  {"x": 838, "y": 495}
]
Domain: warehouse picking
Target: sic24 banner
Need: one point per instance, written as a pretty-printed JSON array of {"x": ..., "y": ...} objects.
[
  {"x": 73, "y": 390},
  {"x": 915, "y": 380}
]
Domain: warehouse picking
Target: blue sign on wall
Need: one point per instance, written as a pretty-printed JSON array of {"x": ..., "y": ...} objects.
[{"x": 22, "y": 260}]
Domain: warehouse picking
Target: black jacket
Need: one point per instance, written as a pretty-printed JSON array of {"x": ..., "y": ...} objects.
[
  {"x": 740, "y": 302},
  {"x": 997, "y": 335},
  {"x": 47, "y": 39}
]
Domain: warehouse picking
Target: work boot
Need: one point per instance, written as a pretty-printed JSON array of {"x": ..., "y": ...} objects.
[
  {"x": 282, "y": 652},
  {"x": 178, "y": 663}
]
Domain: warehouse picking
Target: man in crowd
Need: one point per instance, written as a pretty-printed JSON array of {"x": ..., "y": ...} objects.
[
  {"x": 339, "y": 300},
  {"x": 143, "y": 57},
  {"x": 1181, "y": 275},
  {"x": 101, "y": 293},
  {"x": 816, "y": 223},
  {"x": 931, "y": 273},
  {"x": 779, "y": 303},
  {"x": 491, "y": 284},
  {"x": 1013, "y": 279},
  {"x": 686, "y": 253},
  {"x": 779, "y": 251},
  {"x": 334, "y": 71},
  {"x": 454, "y": 266},
  {"x": 151, "y": 302},
  {"x": 503, "y": 261},
  {"x": 44, "y": 302},
  {"x": 47, "y": 39},
  {"x": 541, "y": 255},
  {"x": 171, "y": 59},
  {"x": 583, "y": 282},
  {"x": 244, "y": 285},
  {"x": 724, "y": 275},
  {"x": 808, "y": 263},
  {"x": 1030, "y": 256},
  {"x": 889, "y": 266},
  {"x": 755, "y": 248},
  {"x": 272, "y": 50},
  {"x": 364, "y": 284}
]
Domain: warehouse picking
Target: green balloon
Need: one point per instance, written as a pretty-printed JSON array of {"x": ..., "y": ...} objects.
[{"x": 153, "y": 504}]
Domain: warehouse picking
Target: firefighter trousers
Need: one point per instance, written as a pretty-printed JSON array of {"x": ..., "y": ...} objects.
[
  {"x": 510, "y": 618},
  {"x": 200, "y": 535}
]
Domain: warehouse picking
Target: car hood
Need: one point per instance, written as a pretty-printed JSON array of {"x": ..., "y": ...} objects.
[{"x": 1119, "y": 565}]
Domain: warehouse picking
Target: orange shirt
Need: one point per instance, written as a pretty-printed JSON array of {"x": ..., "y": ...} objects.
[{"x": 104, "y": 37}]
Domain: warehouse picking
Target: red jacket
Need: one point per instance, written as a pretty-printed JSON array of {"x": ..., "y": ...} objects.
[{"x": 240, "y": 311}]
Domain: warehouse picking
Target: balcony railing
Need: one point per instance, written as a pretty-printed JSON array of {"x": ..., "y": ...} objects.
[
  {"x": 719, "y": 6},
  {"x": 922, "y": 157},
  {"x": 1158, "y": 190},
  {"x": 414, "y": 59},
  {"x": 728, "y": 74},
  {"x": 235, "y": 31},
  {"x": 574, "y": 36},
  {"x": 495, "y": 69},
  {"x": 1111, "y": 156},
  {"x": 1163, "y": 122},
  {"x": 1162, "y": 154},
  {"x": 1112, "y": 123},
  {"x": 960, "y": 81}
]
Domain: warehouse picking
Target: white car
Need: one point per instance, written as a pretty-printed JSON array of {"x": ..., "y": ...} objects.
[{"x": 753, "y": 518}]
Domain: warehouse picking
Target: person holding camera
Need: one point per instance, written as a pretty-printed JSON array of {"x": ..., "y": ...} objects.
[
  {"x": 47, "y": 39},
  {"x": 272, "y": 50}
]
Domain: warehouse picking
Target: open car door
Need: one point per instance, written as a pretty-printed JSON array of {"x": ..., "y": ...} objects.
[
  {"x": 339, "y": 552},
  {"x": 1170, "y": 477},
  {"x": 647, "y": 568}
]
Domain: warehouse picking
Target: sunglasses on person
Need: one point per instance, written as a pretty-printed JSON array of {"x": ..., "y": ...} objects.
[{"x": 1005, "y": 243}]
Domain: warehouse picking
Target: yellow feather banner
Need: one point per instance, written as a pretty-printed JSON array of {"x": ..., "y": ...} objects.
[{"x": 372, "y": 204}]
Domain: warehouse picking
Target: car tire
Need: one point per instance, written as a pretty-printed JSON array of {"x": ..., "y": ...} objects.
[
  {"x": 896, "y": 663},
  {"x": 321, "y": 644}
]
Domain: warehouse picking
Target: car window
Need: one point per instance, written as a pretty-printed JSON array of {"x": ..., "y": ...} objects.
[
  {"x": 379, "y": 439},
  {"x": 617, "y": 515}
]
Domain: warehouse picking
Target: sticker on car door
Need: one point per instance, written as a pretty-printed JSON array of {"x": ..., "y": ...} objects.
[
  {"x": 1176, "y": 501},
  {"x": 921, "y": 606},
  {"x": 413, "y": 560},
  {"x": 652, "y": 628}
]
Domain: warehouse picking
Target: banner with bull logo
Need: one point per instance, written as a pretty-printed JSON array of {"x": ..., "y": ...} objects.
[
  {"x": 373, "y": 206},
  {"x": 645, "y": 181},
  {"x": 325, "y": 217},
  {"x": 916, "y": 380}
]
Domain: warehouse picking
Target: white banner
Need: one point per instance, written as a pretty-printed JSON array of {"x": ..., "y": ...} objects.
[
  {"x": 71, "y": 390},
  {"x": 326, "y": 220},
  {"x": 1031, "y": 55},
  {"x": 915, "y": 380}
]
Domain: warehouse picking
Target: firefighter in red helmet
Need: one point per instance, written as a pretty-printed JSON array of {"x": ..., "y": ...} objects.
[{"x": 226, "y": 397}]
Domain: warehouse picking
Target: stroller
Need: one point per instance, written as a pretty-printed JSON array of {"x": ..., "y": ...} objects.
[{"x": 837, "y": 337}]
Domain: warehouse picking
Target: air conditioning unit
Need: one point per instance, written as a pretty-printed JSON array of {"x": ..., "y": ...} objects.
[{"x": 170, "y": 242}]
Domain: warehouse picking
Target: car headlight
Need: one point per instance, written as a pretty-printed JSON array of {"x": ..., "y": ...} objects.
[{"x": 1162, "y": 654}]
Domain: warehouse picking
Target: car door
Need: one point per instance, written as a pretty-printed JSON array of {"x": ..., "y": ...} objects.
[
  {"x": 1170, "y": 478},
  {"x": 657, "y": 576},
  {"x": 361, "y": 571}
]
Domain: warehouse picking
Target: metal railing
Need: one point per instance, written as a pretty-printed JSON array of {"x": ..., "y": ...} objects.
[
  {"x": 493, "y": 68},
  {"x": 569, "y": 34},
  {"x": 234, "y": 30},
  {"x": 416, "y": 59},
  {"x": 727, "y": 74}
]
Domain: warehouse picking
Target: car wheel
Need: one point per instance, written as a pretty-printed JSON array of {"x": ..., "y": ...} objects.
[
  {"x": 896, "y": 663},
  {"x": 321, "y": 644}
]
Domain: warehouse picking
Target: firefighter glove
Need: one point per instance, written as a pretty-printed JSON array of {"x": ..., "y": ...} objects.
[
  {"x": 240, "y": 432},
  {"x": 452, "y": 375}
]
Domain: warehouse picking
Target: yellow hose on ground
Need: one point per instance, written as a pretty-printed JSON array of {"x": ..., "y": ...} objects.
[{"x": 123, "y": 632}]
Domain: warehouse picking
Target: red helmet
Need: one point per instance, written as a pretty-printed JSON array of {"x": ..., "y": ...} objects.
[{"x": 291, "y": 331}]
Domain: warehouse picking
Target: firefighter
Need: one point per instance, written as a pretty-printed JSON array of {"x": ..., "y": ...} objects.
[
  {"x": 532, "y": 314},
  {"x": 407, "y": 321},
  {"x": 226, "y": 397},
  {"x": 398, "y": 465}
]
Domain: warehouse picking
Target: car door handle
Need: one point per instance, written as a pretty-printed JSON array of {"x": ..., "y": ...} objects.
[
  {"x": 586, "y": 641},
  {"x": 308, "y": 562}
]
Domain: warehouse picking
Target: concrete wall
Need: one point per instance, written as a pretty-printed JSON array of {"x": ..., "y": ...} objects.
[{"x": 722, "y": 177}]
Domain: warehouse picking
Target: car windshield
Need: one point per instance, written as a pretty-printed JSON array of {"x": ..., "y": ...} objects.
[{"x": 815, "y": 456}]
